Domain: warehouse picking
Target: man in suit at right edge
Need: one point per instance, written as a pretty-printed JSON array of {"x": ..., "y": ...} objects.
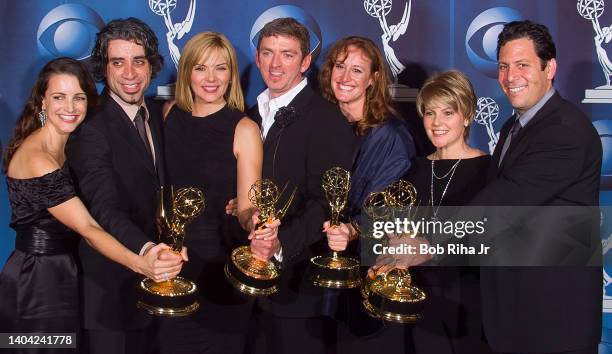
[{"x": 549, "y": 155}]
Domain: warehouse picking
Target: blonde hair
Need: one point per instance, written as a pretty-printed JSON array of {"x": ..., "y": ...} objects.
[
  {"x": 451, "y": 88},
  {"x": 201, "y": 46}
]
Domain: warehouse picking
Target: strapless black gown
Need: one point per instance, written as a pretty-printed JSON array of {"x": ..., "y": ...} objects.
[{"x": 39, "y": 284}]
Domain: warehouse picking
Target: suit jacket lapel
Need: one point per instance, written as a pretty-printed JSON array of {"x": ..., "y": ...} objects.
[
  {"x": 515, "y": 145},
  {"x": 124, "y": 126},
  {"x": 494, "y": 166},
  {"x": 156, "y": 126},
  {"x": 300, "y": 103}
]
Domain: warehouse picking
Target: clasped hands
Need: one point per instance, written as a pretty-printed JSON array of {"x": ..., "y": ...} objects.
[
  {"x": 264, "y": 240},
  {"x": 387, "y": 262},
  {"x": 162, "y": 263}
]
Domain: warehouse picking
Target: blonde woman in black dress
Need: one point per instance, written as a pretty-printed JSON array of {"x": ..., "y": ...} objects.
[{"x": 451, "y": 176}]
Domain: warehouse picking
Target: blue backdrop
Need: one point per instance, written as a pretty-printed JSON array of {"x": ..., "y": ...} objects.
[{"x": 418, "y": 37}]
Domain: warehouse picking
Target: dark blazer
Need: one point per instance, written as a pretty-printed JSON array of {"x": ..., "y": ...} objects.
[
  {"x": 119, "y": 184},
  {"x": 316, "y": 139},
  {"x": 555, "y": 160}
]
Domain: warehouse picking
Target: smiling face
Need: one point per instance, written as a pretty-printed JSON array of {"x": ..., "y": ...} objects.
[
  {"x": 281, "y": 63},
  {"x": 210, "y": 78},
  {"x": 445, "y": 127},
  {"x": 65, "y": 103},
  {"x": 351, "y": 76},
  {"x": 521, "y": 76},
  {"x": 128, "y": 73}
]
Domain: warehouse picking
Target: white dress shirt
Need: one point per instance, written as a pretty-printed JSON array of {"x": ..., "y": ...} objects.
[{"x": 268, "y": 106}]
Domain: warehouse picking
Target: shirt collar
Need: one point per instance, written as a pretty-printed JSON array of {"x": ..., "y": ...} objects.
[
  {"x": 271, "y": 104},
  {"x": 129, "y": 109},
  {"x": 526, "y": 117}
]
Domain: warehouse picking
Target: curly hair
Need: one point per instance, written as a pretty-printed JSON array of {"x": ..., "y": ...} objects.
[
  {"x": 377, "y": 107},
  {"x": 27, "y": 122},
  {"x": 201, "y": 46},
  {"x": 537, "y": 33},
  {"x": 451, "y": 88},
  {"x": 129, "y": 29}
]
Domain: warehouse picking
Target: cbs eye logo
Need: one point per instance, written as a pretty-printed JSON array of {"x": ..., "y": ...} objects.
[
  {"x": 68, "y": 30},
  {"x": 481, "y": 38},
  {"x": 288, "y": 11},
  {"x": 604, "y": 128}
]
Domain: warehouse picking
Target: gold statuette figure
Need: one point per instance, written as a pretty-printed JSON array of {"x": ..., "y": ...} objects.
[
  {"x": 336, "y": 271},
  {"x": 174, "y": 297},
  {"x": 248, "y": 274},
  {"x": 392, "y": 296}
]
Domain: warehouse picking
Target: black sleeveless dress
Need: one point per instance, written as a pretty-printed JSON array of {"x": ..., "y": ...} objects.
[
  {"x": 452, "y": 317},
  {"x": 199, "y": 153},
  {"x": 39, "y": 284}
]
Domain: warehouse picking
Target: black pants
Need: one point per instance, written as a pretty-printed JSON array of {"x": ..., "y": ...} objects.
[
  {"x": 142, "y": 341},
  {"x": 270, "y": 334}
]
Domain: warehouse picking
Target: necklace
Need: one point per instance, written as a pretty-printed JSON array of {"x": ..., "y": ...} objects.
[{"x": 433, "y": 174}]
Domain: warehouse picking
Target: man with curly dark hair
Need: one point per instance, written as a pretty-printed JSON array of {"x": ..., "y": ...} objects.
[{"x": 116, "y": 159}]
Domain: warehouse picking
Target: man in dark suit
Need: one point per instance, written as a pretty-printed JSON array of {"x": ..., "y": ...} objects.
[
  {"x": 304, "y": 136},
  {"x": 549, "y": 155},
  {"x": 116, "y": 159}
]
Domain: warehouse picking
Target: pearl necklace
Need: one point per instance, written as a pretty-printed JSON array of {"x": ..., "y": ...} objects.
[{"x": 433, "y": 174}]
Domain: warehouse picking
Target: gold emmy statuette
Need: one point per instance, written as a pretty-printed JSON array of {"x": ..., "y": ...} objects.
[
  {"x": 335, "y": 271},
  {"x": 392, "y": 296},
  {"x": 248, "y": 274},
  {"x": 174, "y": 297}
]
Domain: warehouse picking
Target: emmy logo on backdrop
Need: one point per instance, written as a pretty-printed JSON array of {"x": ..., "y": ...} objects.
[
  {"x": 174, "y": 297},
  {"x": 380, "y": 9},
  {"x": 591, "y": 10},
  {"x": 487, "y": 111},
  {"x": 175, "y": 31}
]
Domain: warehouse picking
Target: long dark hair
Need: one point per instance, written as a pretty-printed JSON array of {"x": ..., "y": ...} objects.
[{"x": 28, "y": 122}]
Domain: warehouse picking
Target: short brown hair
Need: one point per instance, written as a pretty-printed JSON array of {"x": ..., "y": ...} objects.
[
  {"x": 451, "y": 88},
  {"x": 288, "y": 27},
  {"x": 377, "y": 106},
  {"x": 201, "y": 46}
]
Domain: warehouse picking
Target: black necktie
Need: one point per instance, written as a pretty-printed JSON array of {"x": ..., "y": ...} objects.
[
  {"x": 516, "y": 128},
  {"x": 139, "y": 121}
]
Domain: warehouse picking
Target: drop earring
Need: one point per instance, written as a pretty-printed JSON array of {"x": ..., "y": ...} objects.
[{"x": 42, "y": 117}]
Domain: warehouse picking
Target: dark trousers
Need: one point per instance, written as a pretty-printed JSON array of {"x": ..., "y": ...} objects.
[
  {"x": 142, "y": 341},
  {"x": 589, "y": 350},
  {"x": 270, "y": 334}
]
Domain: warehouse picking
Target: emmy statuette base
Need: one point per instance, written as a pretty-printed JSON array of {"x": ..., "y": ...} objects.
[
  {"x": 335, "y": 272},
  {"x": 172, "y": 298},
  {"x": 390, "y": 316},
  {"x": 250, "y": 275}
]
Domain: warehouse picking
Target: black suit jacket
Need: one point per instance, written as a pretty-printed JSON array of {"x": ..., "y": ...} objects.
[
  {"x": 555, "y": 160},
  {"x": 298, "y": 155},
  {"x": 119, "y": 184}
]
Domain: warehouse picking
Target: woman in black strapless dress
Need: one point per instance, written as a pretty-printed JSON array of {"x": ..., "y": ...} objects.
[
  {"x": 39, "y": 282},
  {"x": 212, "y": 145}
]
